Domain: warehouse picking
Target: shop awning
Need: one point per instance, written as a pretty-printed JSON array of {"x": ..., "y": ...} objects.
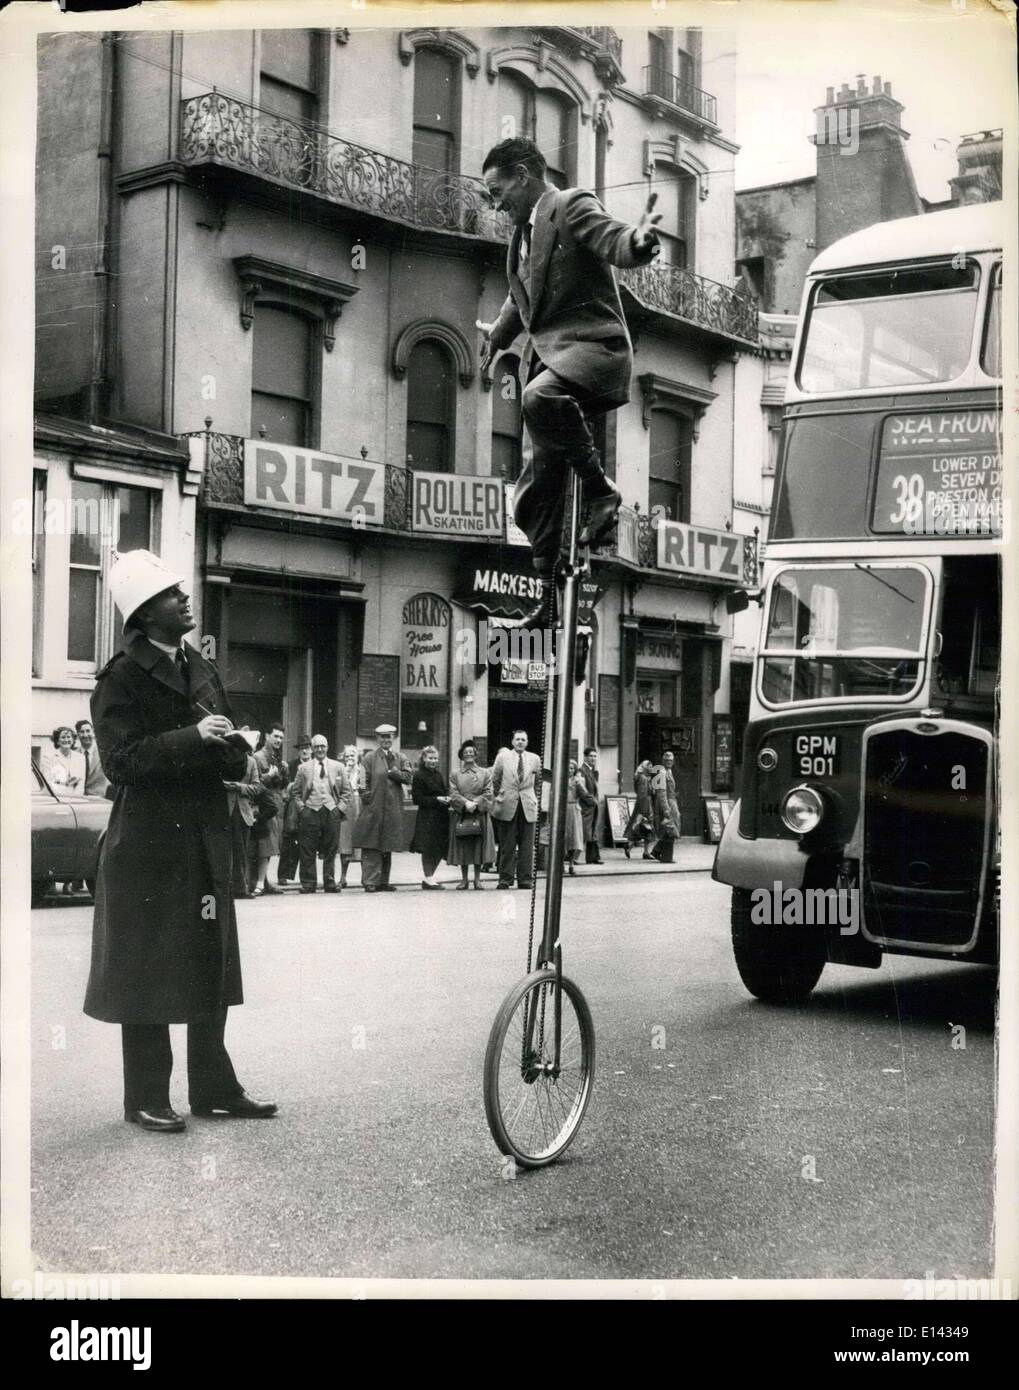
[{"x": 499, "y": 581}]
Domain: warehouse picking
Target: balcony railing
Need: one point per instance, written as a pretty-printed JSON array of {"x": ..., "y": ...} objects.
[
  {"x": 605, "y": 38},
  {"x": 660, "y": 83},
  {"x": 720, "y": 308},
  {"x": 220, "y": 130}
]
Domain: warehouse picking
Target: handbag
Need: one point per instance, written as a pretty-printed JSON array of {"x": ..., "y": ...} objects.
[{"x": 468, "y": 826}]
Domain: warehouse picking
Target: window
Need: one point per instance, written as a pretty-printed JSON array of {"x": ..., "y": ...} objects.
[
  {"x": 889, "y": 328},
  {"x": 678, "y": 205},
  {"x": 669, "y": 471},
  {"x": 289, "y": 73},
  {"x": 660, "y": 83},
  {"x": 752, "y": 273},
  {"x": 430, "y": 408},
  {"x": 105, "y": 517},
  {"x": 38, "y": 560},
  {"x": 990, "y": 358},
  {"x": 506, "y": 432},
  {"x": 436, "y": 83},
  {"x": 773, "y": 418},
  {"x": 547, "y": 118},
  {"x": 281, "y": 383},
  {"x": 684, "y": 77}
]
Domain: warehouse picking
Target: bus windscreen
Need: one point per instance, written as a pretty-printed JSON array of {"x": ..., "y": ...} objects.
[{"x": 891, "y": 328}]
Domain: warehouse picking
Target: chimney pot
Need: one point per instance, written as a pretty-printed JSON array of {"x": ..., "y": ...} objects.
[
  {"x": 861, "y": 85},
  {"x": 845, "y": 93},
  {"x": 829, "y": 96},
  {"x": 877, "y": 86},
  {"x": 888, "y": 89}
]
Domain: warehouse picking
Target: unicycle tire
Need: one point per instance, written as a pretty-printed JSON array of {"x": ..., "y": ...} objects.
[{"x": 534, "y": 1115}]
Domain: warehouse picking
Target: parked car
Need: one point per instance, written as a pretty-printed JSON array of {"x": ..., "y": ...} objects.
[{"x": 67, "y": 830}]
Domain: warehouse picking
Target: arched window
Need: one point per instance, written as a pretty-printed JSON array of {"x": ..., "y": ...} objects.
[
  {"x": 281, "y": 377},
  {"x": 506, "y": 435},
  {"x": 430, "y": 407},
  {"x": 669, "y": 471},
  {"x": 547, "y": 118},
  {"x": 436, "y": 110}
]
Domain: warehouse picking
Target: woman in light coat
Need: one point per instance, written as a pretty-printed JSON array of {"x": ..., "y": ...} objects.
[
  {"x": 355, "y": 776},
  {"x": 470, "y": 794},
  {"x": 64, "y": 767},
  {"x": 574, "y": 844}
]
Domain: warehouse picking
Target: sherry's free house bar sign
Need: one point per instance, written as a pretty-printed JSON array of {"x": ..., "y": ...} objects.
[
  {"x": 939, "y": 474},
  {"x": 426, "y": 634},
  {"x": 700, "y": 550},
  {"x": 289, "y": 479},
  {"x": 445, "y": 504}
]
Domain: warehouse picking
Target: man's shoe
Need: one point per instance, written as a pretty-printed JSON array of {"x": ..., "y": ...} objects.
[
  {"x": 330, "y": 888},
  {"x": 601, "y": 515},
  {"x": 505, "y": 885},
  {"x": 242, "y": 1107},
  {"x": 369, "y": 888},
  {"x": 162, "y": 1121},
  {"x": 307, "y": 890},
  {"x": 524, "y": 885},
  {"x": 430, "y": 887},
  {"x": 387, "y": 888}
]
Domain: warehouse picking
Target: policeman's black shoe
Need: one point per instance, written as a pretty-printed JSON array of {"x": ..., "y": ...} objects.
[
  {"x": 162, "y": 1121},
  {"x": 241, "y": 1107}
]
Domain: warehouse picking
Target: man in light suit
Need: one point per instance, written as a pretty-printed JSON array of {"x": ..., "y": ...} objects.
[
  {"x": 322, "y": 792},
  {"x": 578, "y": 358},
  {"x": 516, "y": 774},
  {"x": 95, "y": 783}
]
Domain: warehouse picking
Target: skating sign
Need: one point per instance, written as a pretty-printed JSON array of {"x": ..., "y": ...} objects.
[{"x": 446, "y": 504}]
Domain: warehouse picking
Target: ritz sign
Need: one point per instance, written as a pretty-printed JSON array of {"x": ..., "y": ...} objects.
[
  {"x": 304, "y": 480},
  {"x": 426, "y": 643}
]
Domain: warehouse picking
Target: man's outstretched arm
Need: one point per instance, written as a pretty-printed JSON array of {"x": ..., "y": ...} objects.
[{"x": 619, "y": 243}]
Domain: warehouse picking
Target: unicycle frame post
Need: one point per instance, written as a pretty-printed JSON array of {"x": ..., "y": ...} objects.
[{"x": 566, "y": 658}]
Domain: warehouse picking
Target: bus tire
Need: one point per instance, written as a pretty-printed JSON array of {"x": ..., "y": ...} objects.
[{"x": 778, "y": 964}]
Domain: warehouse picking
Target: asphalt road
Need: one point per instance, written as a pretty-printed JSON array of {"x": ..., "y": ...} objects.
[{"x": 725, "y": 1139}]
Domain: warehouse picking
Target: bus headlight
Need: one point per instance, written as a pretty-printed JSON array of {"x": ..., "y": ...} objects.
[{"x": 802, "y": 810}]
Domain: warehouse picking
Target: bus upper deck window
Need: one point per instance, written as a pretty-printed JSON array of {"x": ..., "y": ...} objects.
[
  {"x": 990, "y": 357},
  {"x": 890, "y": 328}
]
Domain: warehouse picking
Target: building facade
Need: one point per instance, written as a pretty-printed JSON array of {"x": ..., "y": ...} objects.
[{"x": 261, "y": 257}]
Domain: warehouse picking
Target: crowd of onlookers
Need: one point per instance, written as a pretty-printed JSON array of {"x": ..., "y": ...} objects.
[{"x": 292, "y": 819}]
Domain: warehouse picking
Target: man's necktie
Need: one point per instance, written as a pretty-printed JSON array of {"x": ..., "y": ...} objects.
[
  {"x": 520, "y": 768},
  {"x": 322, "y": 769},
  {"x": 85, "y": 751},
  {"x": 181, "y": 663}
]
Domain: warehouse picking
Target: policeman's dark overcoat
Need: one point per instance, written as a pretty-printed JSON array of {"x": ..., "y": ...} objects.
[{"x": 164, "y": 935}]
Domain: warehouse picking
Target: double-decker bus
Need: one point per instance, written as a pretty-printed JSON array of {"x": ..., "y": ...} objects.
[{"x": 867, "y": 814}]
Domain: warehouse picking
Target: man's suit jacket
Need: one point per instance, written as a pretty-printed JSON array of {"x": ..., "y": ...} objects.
[
  {"x": 336, "y": 779},
  {"x": 590, "y": 801},
  {"x": 510, "y": 790},
  {"x": 236, "y": 798},
  {"x": 573, "y": 316}
]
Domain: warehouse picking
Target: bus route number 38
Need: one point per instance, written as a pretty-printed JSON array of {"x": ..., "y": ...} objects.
[{"x": 817, "y": 755}]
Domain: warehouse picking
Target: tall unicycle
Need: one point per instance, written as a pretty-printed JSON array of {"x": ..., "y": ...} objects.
[{"x": 539, "y": 1063}]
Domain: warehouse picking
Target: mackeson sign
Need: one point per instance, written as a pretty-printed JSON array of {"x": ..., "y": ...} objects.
[
  {"x": 700, "y": 550},
  {"x": 447, "y": 504},
  {"x": 303, "y": 480}
]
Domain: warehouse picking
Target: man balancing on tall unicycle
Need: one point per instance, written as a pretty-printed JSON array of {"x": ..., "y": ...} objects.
[
  {"x": 539, "y": 1062},
  {"x": 578, "y": 359}
]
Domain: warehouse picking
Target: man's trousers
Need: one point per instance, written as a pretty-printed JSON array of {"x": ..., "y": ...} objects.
[
  {"x": 516, "y": 850},
  {"x": 556, "y": 413},
  {"x": 376, "y": 865},
  {"x": 148, "y": 1062},
  {"x": 318, "y": 832}
]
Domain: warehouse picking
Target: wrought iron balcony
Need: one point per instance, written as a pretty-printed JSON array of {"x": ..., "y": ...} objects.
[
  {"x": 605, "y": 38},
  {"x": 668, "y": 87},
  {"x": 731, "y": 313},
  {"x": 219, "y": 130}
]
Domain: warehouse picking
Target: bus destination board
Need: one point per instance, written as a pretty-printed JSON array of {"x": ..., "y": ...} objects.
[{"x": 939, "y": 474}]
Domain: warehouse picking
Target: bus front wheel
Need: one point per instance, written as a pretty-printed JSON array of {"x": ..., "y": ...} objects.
[{"x": 779, "y": 964}]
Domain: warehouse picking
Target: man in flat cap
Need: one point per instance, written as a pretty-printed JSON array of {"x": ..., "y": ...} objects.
[
  {"x": 164, "y": 935},
  {"x": 379, "y": 828}
]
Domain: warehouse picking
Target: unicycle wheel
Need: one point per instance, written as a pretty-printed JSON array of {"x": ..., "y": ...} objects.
[{"x": 535, "y": 1109}]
